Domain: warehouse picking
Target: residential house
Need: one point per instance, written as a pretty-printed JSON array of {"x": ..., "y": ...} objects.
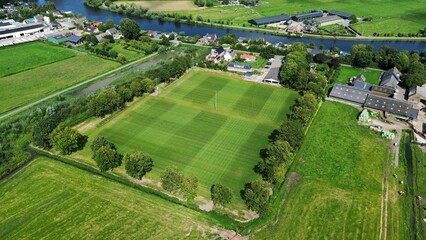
[
  {"x": 247, "y": 57},
  {"x": 114, "y": 33},
  {"x": 390, "y": 78},
  {"x": 216, "y": 55},
  {"x": 96, "y": 24},
  {"x": 229, "y": 55},
  {"x": 79, "y": 21},
  {"x": 417, "y": 94},
  {"x": 239, "y": 67},
  {"x": 208, "y": 39},
  {"x": 91, "y": 30},
  {"x": 295, "y": 27},
  {"x": 101, "y": 36},
  {"x": 74, "y": 39}
]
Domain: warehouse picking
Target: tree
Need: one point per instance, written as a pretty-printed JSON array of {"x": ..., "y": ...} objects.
[
  {"x": 165, "y": 40},
  {"x": 42, "y": 130},
  {"x": 136, "y": 87},
  {"x": 129, "y": 28},
  {"x": 147, "y": 85},
  {"x": 107, "y": 158},
  {"x": 106, "y": 102},
  {"x": 101, "y": 142},
  {"x": 171, "y": 179},
  {"x": 189, "y": 187},
  {"x": 109, "y": 24},
  {"x": 137, "y": 164},
  {"x": 362, "y": 55},
  {"x": 278, "y": 153},
  {"x": 290, "y": 131},
  {"x": 67, "y": 140},
  {"x": 256, "y": 195},
  {"x": 268, "y": 52},
  {"x": 221, "y": 195}
]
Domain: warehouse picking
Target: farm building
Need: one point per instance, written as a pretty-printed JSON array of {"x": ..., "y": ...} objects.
[
  {"x": 74, "y": 39},
  {"x": 248, "y": 57},
  {"x": 12, "y": 29},
  {"x": 239, "y": 67},
  {"x": 295, "y": 27},
  {"x": 310, "y": 15},
  {"x": 349, "y": 94},
  {"x": 329, "y": 20},
  {"x": 269, "y": 20},
  {"x": 384, "y": 91},
  {"x": 390, "y": 78},
  {"x": 396, "y": 107},
  {"x": 417, "y": 94},
  {"x": 57, "y": 39},
  {"x": 341, "y": 14}
]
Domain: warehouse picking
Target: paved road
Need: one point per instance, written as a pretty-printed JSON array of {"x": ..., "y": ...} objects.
[{"x": 20, "y": 109}]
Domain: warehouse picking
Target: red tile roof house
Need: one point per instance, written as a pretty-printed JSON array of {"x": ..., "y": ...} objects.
[
  {"x": 248, "y": 57},
  {"x": 96, "y": 24}
]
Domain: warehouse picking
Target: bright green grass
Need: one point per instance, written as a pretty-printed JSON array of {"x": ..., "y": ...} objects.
[
  {"x": 372, "y": 76},
  {"x": 388, "y": 16},
  {"x": 419, "y": 178},
  {"x": 22, "y": 57},
  {"x": 339, "y": 194},
  {"x": 25, "y": 87},
  {"x": 51, "y": 200},
  {"x": 181, "y": 128}
]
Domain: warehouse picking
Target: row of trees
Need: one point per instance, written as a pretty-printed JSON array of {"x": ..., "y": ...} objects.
[
  {"x": 175, "y": 182},
  {"x": 412, "y": 65}
]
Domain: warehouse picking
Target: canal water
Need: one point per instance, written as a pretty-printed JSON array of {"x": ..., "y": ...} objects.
[{"x": 77, "y": 6}]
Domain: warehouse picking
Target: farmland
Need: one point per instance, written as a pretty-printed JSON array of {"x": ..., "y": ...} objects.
[
  {"x": 161, "y": 5},
  {"x": 182, "y": 127},
  {"x": 22, "y": 57},
  {"x": 35, "y": 79},
  {"x": 338, "y": 195},
  {"x": 51, "y": 200},
  {"x": 372, "y": 76}
]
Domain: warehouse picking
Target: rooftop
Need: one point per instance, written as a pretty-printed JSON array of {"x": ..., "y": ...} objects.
[
  {"x": 399, "y": 107},
  {"x": 268, "y": 20},
  {"x": 341, "y": 14},
  {"x": 314, "y": 14},
  {"x": 328, "y": 18},
  {"x": 383, "y": 89},
  {"x": 349, "y": 93}
]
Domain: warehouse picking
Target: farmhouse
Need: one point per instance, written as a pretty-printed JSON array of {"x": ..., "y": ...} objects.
[
  {"x": 248, "y": 58},
  {"x": 239, "y": 67},
  {"x": 12, "y": 29},
  {"x": 329, "y": 20},
  {"x": 390, "y": 78},
  {"x": 310, "y": 15},
  {"x": 417, "y": 94},
  {"x": 269, "y": 20},
  {"x": 341, "y": 14},
  {"x": 384, "y": 91}
]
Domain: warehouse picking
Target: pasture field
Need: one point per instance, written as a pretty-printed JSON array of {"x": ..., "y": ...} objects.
[
  {"x": 51, "y": 200},
  {"x": 159, "y": 6},
  {"x": 18, "y": 58},
  {"x": 419, "y": 179},
  {"x": 27, "y": 86},
  {"x": 181, "y": 128},
  {"x": 388, "y": 16},
  {"x": 338, "y": 195},
  {"x": 372, "y": 76}
]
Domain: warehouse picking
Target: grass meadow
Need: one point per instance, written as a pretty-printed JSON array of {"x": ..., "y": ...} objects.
[
  {"x": 34, "y": 83},
  {"x": 339, "y": 193},
  {"x": 388, "y": 16},
  {"x": 51, "y": 200},
  {"x": 181, "y": 127},
  {"x": 419, "y": 178},
  {"x": 346, "y": 73},
  {"x": 18, "y": 58}
]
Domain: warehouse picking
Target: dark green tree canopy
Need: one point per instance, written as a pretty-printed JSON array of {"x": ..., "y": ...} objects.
[
  {"x": 362, "y": 55},
  {"x": 67, "y": 140},
  {"x": 101, "y": 142},
  {"x": 106, "y": 102},
  {"x": 256, "y": 196},
  {"x": 129, "y": 28},
  {"x": 107, "y": 158},
  {"x": 137, "y": 164},
  {"x": 171, "y": 179},
  {"x": 221, "y": 195},
  {"x": 189, "y": 187}
]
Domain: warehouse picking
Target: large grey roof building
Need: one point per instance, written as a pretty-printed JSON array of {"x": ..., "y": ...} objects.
[
  {"x": 349, "y": 93},
  {"x": 341, "y": 14},
  {"x": 303, "y": 16},
  {"x": 398, "y": 107},
  {"x": 269, "y": 20}
]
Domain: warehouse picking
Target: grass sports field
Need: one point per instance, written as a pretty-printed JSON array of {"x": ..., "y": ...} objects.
[
  {"x": 388, "y": 16},
  {"x": 339, "y": 192},
  {"x": 31, "y": 81},
  {"x": 182, "y": 128},
  {"x": 22, "y": 57},
  {"x": 372, "y": 76},
  {"x": 51, "y": 200}
]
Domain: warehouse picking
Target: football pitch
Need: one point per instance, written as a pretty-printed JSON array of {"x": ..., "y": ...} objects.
[{"x": 207, "y": 124}]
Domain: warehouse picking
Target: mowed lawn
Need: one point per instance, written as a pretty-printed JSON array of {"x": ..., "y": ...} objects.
[
  {"x": 182, "y": 128},
  {"x": 161, "y": 5},
  {"x": 51, "y": 200},
  {"x": 339, "y": 193},
  {"x": 346, "y": 73},
  {"x": 27, "y": 86},
  {"x": 22, "y": 57}
]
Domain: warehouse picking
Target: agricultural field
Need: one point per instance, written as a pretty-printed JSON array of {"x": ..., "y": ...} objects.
[
  {"x": 18, "y": 58},
  {"x": 160, "y": 6},
  {"x": 346, "y": 73},
  {"x": 183, "y": 127},
  {"x": 387, "y": 16},
  {"x": 51, "y": 200},
  {"x": 336, "y": 191},
  {"x": 26, "y": 86},
  {"x": 419, "y": 178}
]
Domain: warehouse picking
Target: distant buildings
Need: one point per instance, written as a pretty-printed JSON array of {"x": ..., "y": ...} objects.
[
  {"x": 219, "y": 54},
  {"x": 239, "y": 67},
  {"x": 269, "y": 20},
  {"x": 208, "y": 39},
  {"x": 12, "y": 29},
  {"x": 247, "y": 57}
]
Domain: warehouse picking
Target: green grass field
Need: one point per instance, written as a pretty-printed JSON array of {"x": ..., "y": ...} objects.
[
  {"x": 27, "y": 86},
  {"x": 388, "y": 16},
  {"x": 51, "y": 200},
  {"x": 372, "y": 76},
  {"x": 339, "y": 193},
  {"x": 419, "y": 179},
  {"x": 22, "y": 57},
  {"x": 182, "y": 128}
]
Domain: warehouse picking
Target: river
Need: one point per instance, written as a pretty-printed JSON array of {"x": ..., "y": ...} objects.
[{"x": 77, "y": 6}]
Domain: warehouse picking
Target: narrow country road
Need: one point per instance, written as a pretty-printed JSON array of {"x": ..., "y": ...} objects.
[{"x": 22, "y": 108}]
